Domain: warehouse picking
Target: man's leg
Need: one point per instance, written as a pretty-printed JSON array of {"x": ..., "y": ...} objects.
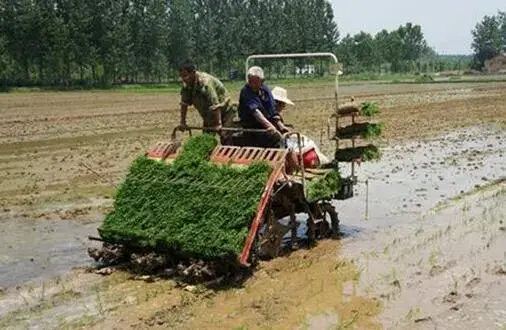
[{"x": 208, "y": 122}]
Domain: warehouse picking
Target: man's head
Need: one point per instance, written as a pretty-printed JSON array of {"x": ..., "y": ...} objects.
[
  {"x": 281, "y": 97},
  {"x": 255, "y": 77},
  {"x": 187, "y": 72}
]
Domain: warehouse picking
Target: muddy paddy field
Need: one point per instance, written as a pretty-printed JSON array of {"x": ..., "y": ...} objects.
[{"x": 428, "y": 251}]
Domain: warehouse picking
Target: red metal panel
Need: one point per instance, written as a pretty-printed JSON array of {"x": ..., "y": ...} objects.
[
  {"x": 163, "y": 150},
  {"x": 247, "y": 155},
  {"x": 223, "y": 154},
  {"x": 257, "y": 221}
]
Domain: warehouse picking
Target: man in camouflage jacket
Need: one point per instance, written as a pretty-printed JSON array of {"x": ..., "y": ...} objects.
[{"x": 210, "y": 97}]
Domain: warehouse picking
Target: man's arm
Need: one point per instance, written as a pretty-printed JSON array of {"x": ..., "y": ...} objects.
[
  {"x": 216, "y": 109},
  {"x": 185, "y": 102},
  {"x": 263, "y": 121},
  {"x": 184, "y": 111},
  {"x": 215, "y": 105},
  {"x": 252, "y": 103},
  {"x": 275, "y": 116},
  {"x": 278, "y": 122},
  {"x": 254, "y": 107},
  {"x": 280, "y": 125}
]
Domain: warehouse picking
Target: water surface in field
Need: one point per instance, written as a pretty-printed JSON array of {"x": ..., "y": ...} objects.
[
  {"x": 413, "y": 178},
  {"x": 34, "y": 250}
]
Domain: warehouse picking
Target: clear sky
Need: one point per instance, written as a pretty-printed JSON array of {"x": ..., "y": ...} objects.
[{"x": 446, "y": 24}]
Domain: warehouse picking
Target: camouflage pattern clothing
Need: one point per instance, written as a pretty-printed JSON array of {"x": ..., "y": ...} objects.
[{"x": 206, "y": 92}]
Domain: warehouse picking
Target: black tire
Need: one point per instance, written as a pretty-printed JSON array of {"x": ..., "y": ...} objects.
[
  {"x": 254, "y": 257},
  {"x": 327, "y": 208},
  {"x": 255, "y": 254}
]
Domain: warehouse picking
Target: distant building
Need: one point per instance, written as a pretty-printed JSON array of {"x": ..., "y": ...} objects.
[
  {"x": 496, "y": 64},
  {"x": 306, "y": 69}
]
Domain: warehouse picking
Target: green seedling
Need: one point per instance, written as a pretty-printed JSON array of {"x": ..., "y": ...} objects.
[
  {"x": 365, "y": 153},
  {"x": 323, "y": 188},
  {"x": 369, "y": 109},
  {"x": 192, "y": 206}
]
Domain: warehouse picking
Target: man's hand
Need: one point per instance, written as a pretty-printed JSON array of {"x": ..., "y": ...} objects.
[
  {"x": 217, "y": 128},
  {"x": 274, "y": 132},
  {"x": 283, "y": 129},
  {"x": 271, "y": 129}
]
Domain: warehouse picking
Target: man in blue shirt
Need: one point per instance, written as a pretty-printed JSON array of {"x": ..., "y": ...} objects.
[{"x": 257, "y": 109}]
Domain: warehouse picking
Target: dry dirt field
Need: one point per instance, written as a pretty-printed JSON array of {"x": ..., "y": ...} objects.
[
  {"x": 63, "y": 153},
  {"x": 68, "y": 147}
]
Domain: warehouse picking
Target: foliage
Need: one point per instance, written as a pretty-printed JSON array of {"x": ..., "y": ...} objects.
[
  {"x": 193, "y": 206},
  {"x": 364, "y": 153},
  {"x": 450, "y": 63},
  {"x": 84, "y": 42},
  {"x": 396, "y": 51},
  {"x": 369, "y": 109},
  {"x": 373, "y": 130},
  {"x": 323, "y": 188},
  {"x": 489, "y": 38},
  {"x": 424, "y": 79}
]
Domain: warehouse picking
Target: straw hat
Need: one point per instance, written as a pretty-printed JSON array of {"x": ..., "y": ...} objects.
[{"x": 280, "y": 94}]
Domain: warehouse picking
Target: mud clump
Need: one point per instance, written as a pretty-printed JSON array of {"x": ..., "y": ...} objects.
[
  {"x": 149, "y": 265},
  {"x": 499, "y": 270},
  {"x": 108, "y": 254},
  {"x": 451, "y": 297},
  {"x": 437, "y": 270}
]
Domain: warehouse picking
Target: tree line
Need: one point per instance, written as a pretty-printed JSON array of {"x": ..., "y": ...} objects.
[
  {"x": 489, "y": 38},
  {"x": 65, "y": 42}
]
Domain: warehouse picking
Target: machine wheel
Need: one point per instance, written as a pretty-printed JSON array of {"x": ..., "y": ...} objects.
[
  {"x": 328, "y": 209},
  {"x": 269, "y": 242},
  {"x": 254, "y": 256}
]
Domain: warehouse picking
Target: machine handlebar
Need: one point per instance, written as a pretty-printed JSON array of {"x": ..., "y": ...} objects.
[
  {"x": 223, "y": 129},
  {"x": 284, "y": 136}
]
